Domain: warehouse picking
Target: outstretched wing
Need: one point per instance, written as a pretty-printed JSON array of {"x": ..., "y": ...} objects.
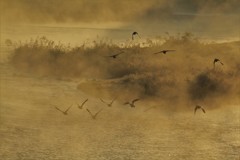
[
  {"x": 135, "y": 100},
  {"x": 113, "y": 101},
  {"x": 68, "y": 108},
  {"x": 157, "y": 52},
  {"x": 83, "y": 103},
  {"x": 126, "y": 103},
  {"x": 170, "y": 50},
  {"x": 203, "y": 110},
  {"x": 103, "y": 101},
  {"x": 120, "y": 53},
  {"x": 89, "y": 113},
  {"x": 195, "y": 110},
  {"x": 98, "y": 112},
  {"x": 58, "y": 109},
  {"x": 116, "y": 55}
]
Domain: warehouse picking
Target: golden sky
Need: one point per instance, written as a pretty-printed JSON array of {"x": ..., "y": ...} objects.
[{"x": 212, "y": 15}]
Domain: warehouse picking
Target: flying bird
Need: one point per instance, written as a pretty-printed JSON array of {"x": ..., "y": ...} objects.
[
  {"x": 81, "y": 106},
  {"x": 108, "y": 104},
  {"x": 198, "y": 107},
  {"x": 215, "y": 61},
  {"x": 134, "y": 34},
  {"x": 131, "y": 103},
  {"x": 63, "y": 112},
  {"x": 164, "y": 51},
  {"x": 95, "y": 115},
  {"x": 115, "y": 55}
]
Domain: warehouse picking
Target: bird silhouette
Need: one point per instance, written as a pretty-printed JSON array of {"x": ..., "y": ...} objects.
[
  {"x": 134, "y": 34},
  {"x": 198, "y": 107},
  {"x": 81, "y": 106},
  {"x": 94, "y": 116},
  {"x": 108, "y": 104},
  {"x": 131, "y": 103},
  {"x": 215, "y": 61},
  {"x": 63, "y": 112},
  {"x": 115, "y": 55},
  {"x": 164, "y": 51}
]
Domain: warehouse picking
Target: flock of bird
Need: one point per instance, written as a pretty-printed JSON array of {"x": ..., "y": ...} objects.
[
  {"x": 110, "y": 104},
  {"x": 162, "y": 51},
  {"x": 130, "y": 103},
  {"x": 94, "y": 116}
]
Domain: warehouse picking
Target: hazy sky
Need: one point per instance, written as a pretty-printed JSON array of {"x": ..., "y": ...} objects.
[{"x": 193, "y": 15}]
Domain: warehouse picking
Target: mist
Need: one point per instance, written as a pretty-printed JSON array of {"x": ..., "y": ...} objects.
[
  {"x": 57, "y": 54},
  {"x": 151, "y": 18},
  {"x": 184, "y": 77},
  {"x": 41, "y": 74}
]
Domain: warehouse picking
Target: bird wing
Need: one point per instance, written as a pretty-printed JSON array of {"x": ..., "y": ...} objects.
[
  {"x": 221, "y": 63},
  {"x": 135, "y": 100},
  {"x": 98, "y": 112},
  {"x": 119, "y": 53},
  {"x": 68, "y": 108},
  {"x": 126, "y": 103},
  {"x": 90, "y": 113},
  {"x": 162, "y": 51},
  {"x": 113, "y": 101},
  {"x": 115, "y": 55},
  {"x": 195, "y": 110},
  {"x": 203, "y": 110},
  {"x": 157, "y": 52},
  {"x": 58, "y": 109},
  {"x": 170, "y": 50},
  {"x": 84, "y": 103},
  {"x": 103, "y": 101}
]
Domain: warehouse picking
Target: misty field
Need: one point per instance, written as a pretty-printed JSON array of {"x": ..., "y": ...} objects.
[
  {"x": 119, "y": 80},
  {"x": 184, "y": 76},
  {"x": 43, "y": 78}
]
